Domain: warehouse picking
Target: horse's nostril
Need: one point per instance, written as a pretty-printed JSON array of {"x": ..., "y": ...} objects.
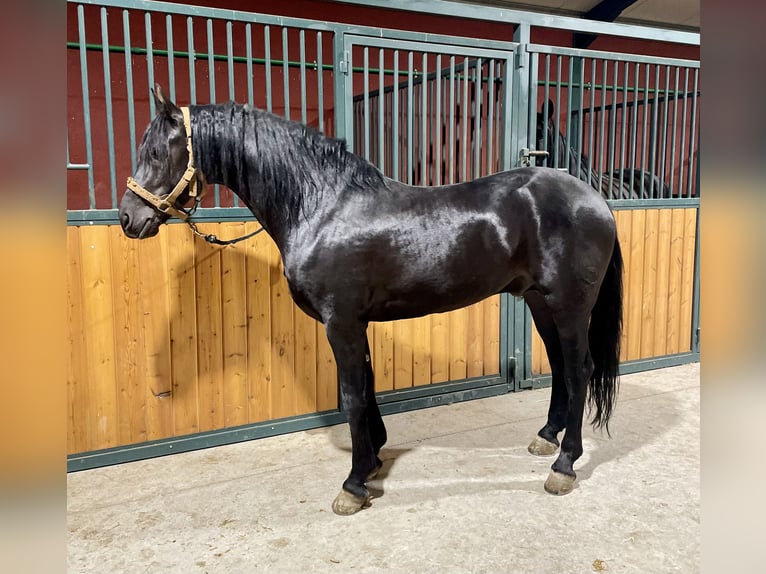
[{"x": 125, "y": 220}]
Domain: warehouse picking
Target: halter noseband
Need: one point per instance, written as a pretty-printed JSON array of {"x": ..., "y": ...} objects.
[{"x": 191, "y": 179}]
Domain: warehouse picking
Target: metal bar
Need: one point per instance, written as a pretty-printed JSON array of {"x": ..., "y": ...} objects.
[
  {"x": 302, "y": 58},
  {"x": 395, "y": 120},
  {"x": 567, "y": 151},
  {"x": 230, "y": 59},
  {"x": 211, "y": 81},
  {"x": 366, "y": 92},
  {"x": 664, "y": 152},
  {"x": 192, "y": 60},
  {"x": 545, "y": 109},
  {"x": 644, "y": 123},
  {"x": 424, "y": 122},
  {"x": 683, "y": 138},
  {"x": 692, "y": 139},
  {"x": 653, "y": 137},
  {"x": 170, "y": 56},
  {"x": 477, "y": 79},
  {"x": 464, "y": 109},
  {"x": 149, "y": 58},
  {"x": 249, "y": 56},
  {"x": 618, "y": 56},
  {"x": 673, "y": 137},
  {"x": 623, "y": 126},
  {"x": 86, "y": 107},
  {"x": 590, "y": 117},
  {"x": 438, "y": 122},
  {"x": 409, "y": 117},
  {"x": 267, "y": 57},
  {"x": 285, "y": 73},
  {"x": 634, "y": 128},
  {"x": 557, "y": 108},
  {"x": 602, "y": 120},
  {"x": 129, "y": 89},
  {"x": 491, "y": 116},
  {"x": 320, "y": 83},
  {"x": 581, "y": 66},
  {"x": 452, "y": 110},
  {"x": 532, "y": 101},
  {"x": 109, "y": 114},
  {"x": 612, "y": 143},
  {"x": 381, "y": 114}
]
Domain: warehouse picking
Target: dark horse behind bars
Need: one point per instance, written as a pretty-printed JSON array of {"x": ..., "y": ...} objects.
[{"x": 359, "y": 247}]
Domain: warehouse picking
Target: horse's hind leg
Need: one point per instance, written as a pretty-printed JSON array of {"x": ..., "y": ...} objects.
[
  {"x": 348, "y": 342},
  {"x": 546, "y": 442},
  {"x": 578, "y": 367},
  {"x": 378, "y": 433}
]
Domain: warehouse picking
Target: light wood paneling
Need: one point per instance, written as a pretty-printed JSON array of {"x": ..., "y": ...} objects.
[
  {"x": 658, "y": 253},
  {"x": 170, "y": 336}
]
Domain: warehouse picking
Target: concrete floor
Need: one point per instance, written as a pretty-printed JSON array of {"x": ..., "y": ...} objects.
[{"x": 458, "y": 493}]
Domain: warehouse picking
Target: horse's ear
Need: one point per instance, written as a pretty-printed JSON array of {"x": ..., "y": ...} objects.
[{"x": 163, "y": 104}]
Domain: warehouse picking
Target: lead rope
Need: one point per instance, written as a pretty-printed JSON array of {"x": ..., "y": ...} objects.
[{"x": 210, "y": 238}]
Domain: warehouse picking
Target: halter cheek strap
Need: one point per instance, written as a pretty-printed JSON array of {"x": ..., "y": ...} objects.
[{"x": 191, "y": 179}]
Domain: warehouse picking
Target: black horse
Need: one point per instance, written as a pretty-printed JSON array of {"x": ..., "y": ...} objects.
[{"x": 359, "y": 247}]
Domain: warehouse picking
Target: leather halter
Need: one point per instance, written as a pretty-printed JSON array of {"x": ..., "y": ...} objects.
[{"x": 191, "y": 179}]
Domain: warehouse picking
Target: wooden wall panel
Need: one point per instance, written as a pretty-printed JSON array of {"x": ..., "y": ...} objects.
[
  {"x": 658, "y": 253},
  {"x": 170, "y": 336}
]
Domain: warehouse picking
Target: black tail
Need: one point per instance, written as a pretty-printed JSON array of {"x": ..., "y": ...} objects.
[{"x": 604, "y": 341}]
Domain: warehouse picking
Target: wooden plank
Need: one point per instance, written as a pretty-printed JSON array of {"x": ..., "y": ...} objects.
[
  {"x": 234, "y": 328},
  {"x": 305, "y": 362},
  {"x": 98, "y": 335},
  {"x": 207, "y": 276},
  {"x": 258, "y": 276},
  {"x": 155, "y": 310},
  {"x": 475, "y": 341},
  {"x": 687, "y": 281},
  {"x": 383, "y": 356},
  {"x": 440, "y": 353},
  {"x": 78, "y": 383},
  {"x": 674, "y": 280},
  {"x": 327, "y": 374},
  {"x": 649, "y": 284},
  {"x": 635, "y": 281},
  {"x": 624, "y": 231},
  {"x": 458, "y": 344},
  {"x": 421, "y": 351},
  {"x": 183, "y": 329},
  {"x": 282, "y": 341},
  {"x": 403, "y": 354},
  {"x": 491, "y": 308},
  {"x": 659, "y": 340},
  {"x": 130, "y": 354}
]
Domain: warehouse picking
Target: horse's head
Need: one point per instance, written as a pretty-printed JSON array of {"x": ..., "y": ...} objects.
[
  {"x": 545, "y": 133},
  {"x": 161, "y": 184}
]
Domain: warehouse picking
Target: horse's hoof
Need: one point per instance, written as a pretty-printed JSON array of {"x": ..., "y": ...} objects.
[
  {"x": 559, "y": 483},
  {"x": 346, "y": 503},
  {"x": 542, "y": 447}
]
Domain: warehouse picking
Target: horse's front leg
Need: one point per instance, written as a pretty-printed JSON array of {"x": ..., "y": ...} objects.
[{"x": 349, "y": 345}]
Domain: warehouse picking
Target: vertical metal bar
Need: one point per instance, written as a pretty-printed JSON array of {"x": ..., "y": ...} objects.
[
  {"x": 612, "y": 144},
  {"x": 211, "y": 63},
  {"x": 409, "y": 117},
  {"x": 580, "y": 61},
  {"x": 366, "y": 96},
  {"x": 286, "y": 72},
  {"x": 451, "y": 115},
  {"x": 664, "y": 152},
  {"x": 491, "y": 117},
  {"x": 395, "y": 120},
  {"x": 602, "y": 119},
  {"x": 171, "y": 56},
  {"x": 267, "y": 58},
  {"x": 653, "y": 152},
  {"x": 692, "y": 139},
  {"x": 438, "y": 121},
  {"x": 381, "y": 112},
  {"x": 683, "y": 136},
  {"x": 567, "y": 151},
  {"x": 464, "y": 106},
  {"x": 675, "y": 131},
  {"x": 695, "y": 343},
  {"x": 230, "y": 59},
  {"x": 302, "y": 55},
  {"x": 86, "y": 106},
  {"x": 644, "y": 123},
  {"x": 320, "y": 82},
  {"x": 249, "y": 67},
  {"x": 534, "y": 59},
  {"x": 192, "y": 59},
  {"x": 545, "y": 110},
  {"x": 423, "y": 122},
  {"x": 108, "y": 102},
  {"x": 590, "y": 117},
  {"x": 149, "y": 58},
  {"x": 129, "y": 88},
  {"x": 557, "y": 111},
  {"x": 634, "y": 126},
  {"x": 624, "y": 127}
]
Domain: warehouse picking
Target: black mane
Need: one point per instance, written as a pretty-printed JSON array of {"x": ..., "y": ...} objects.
[{"x": 289, "y": 166}]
